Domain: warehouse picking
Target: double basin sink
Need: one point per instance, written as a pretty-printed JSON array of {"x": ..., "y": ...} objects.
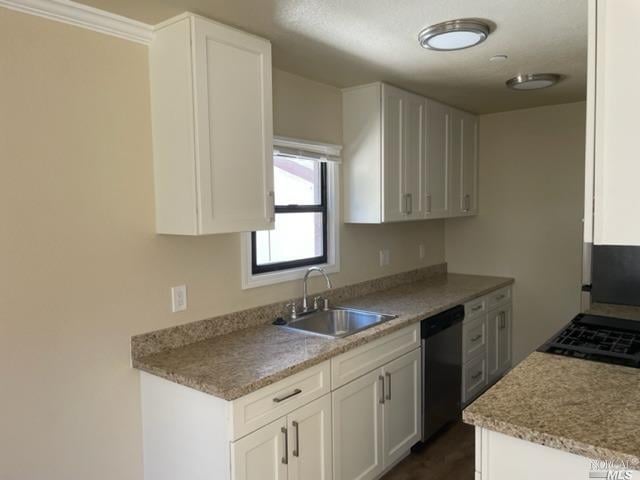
[{"x": 338, "y": 322}]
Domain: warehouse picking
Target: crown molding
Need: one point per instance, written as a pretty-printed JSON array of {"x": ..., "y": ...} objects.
[{"x": 80, "y": 15}]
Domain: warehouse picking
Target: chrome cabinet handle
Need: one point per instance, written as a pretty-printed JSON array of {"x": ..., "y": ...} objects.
[
  {"x": 405, "y": 206},
  {"x": 428, "y": 203},
  {"x": 285, "y": 457},
  {"x": 476, "y": 376},
  {"x": 381, "y": 378},
  {"x": 407, "y": 199},
  {"x": 297, "y": 391},
  {"x": 476, "y": 338},
  {"x": 296, "y": 445},
  {"x": 388, "y": 375},
  {"x": 503, "y": 320},
  {"x": 476, "y": 308},
  {"x": 500, "y": 297},
  {"x": 271, "y": 199},
  {"x": 467, "y": 203}
]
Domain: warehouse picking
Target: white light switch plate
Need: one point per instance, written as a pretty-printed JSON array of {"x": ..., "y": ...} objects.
[
  {"x": 178, "y": 298},
  {"x": 421, "y": 251},
  {"x": 385, "y": 257}
]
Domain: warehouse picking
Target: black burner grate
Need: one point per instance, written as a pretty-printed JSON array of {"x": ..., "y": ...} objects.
[{"x": 602, "y": 340}]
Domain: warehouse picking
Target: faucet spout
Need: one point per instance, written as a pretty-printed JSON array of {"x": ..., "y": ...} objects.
[{"x": 305, "y": 304}]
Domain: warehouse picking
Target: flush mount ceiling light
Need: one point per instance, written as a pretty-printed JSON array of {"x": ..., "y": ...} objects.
[
  {"x": 454, "y": 35},
  {"x": 533, "y": 81}
]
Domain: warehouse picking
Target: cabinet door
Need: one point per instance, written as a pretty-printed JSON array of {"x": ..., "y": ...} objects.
[
  {"x": 438, "y": 145},
  {"x": 357, "y": 428},
  {"x": 310, "y": 451},
  {"x": 464, "y": 151},
  {"x": 499, "y": 360},
  {"x": 233, "y": 129},
  {"x": 474, "y": 378},
  {"x": 261, "y": 455},
  {"x": 393, "y": 104},
  {"x": 413, "y": 158},
  {"x": 499, "y": 345},
  {"x": 617, "y": 99},
  {"x": 402, "y": 406}
]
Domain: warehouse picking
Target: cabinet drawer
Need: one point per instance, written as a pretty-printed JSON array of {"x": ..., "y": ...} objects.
[
  {"x": 474, "y": 378},
  {"x": 475, "y": 307},
  {"x": 263, "y": 406},
  {"x": 474, "y": 337},
  {"x": 355, "y": 363},
  {"x": 498, "y": 297}
]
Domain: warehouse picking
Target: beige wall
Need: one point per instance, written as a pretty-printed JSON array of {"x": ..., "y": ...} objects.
[
  {"x": 530, "y": 221},
  {"x": 81, "y": 268}
]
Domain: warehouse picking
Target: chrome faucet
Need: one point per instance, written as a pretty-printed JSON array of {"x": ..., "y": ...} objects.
[{"x": 305, "y": 305}]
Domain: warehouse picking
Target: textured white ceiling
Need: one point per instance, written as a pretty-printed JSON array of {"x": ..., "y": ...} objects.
[{"x": 350, "y": 42}]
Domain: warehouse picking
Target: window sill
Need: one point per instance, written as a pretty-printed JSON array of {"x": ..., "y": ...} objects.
[{"x": 271, "y": 278}]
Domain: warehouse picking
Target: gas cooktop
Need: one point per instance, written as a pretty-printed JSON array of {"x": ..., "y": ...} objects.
[{"x": 597, "y": 338}]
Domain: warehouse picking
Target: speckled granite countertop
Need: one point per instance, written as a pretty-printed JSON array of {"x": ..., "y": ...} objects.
[
  {"x": 619, "y": 311},
  {"x": 236, "y": 364},
  {"x": 583, "y": 407}
]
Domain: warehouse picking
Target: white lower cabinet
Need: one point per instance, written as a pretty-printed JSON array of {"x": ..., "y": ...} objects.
[
  {"x": 350, "y": 418},
  {"x": 402, "y": 406},
  {"x": 295, "y": 447},
  {"x": 499, "y": 352},
  {"x": 309, "y": 428},
  {"x": 357, "y": 428},
  {"x": 260, "y": 455},
  {"x": 502, "y": 457},
  {"x": 377, "y": 418},
  {"x": 486, "y": 342}
]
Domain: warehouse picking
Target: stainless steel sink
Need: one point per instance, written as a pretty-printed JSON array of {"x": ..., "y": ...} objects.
[{"x": 338, "y": 322}]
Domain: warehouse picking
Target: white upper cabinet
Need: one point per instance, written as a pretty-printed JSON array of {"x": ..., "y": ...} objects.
[
  {"x": 398, "y": 157},
  {"x": 393, "y": 188},
  {"x": 413, "y": 163},
  {"x": 211, "y": 102},
  {"x": 613, "y": 165},
  {"x": 438, "y": 144},
  {"x": 464, "y": 164},
  {"x": 403, "y": 153}
]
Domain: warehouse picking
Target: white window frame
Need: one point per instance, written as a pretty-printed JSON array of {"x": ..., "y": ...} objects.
[{"x": 251, "y": 280}]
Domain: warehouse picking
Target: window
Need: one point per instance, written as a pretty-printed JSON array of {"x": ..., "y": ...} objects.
[
  {"x": 300, "y": 236},
  {"x": 305, "y": 232}
]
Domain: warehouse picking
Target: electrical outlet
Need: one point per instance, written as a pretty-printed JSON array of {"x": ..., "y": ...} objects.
[
  {"x": 421, "y": 251},
  {"x": 179, "y": 298},
  {"x": 385, "y": 257}
]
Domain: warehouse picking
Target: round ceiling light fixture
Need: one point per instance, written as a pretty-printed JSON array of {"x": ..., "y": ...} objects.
[
  {"x": 533, "y": 81},
  {"x": 454, "y": 35}
]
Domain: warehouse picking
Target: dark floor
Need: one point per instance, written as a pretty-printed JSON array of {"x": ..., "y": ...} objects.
[{"x": 450, "y": 455}]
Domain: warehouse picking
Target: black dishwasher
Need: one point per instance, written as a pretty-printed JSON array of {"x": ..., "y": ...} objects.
[{"x": 441, "y": 369}]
